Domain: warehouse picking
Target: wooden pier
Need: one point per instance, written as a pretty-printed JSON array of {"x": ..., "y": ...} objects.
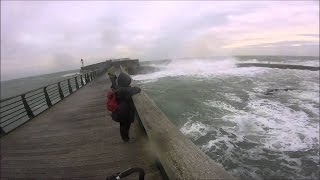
[
  {"x": 63, "y": 130},
  {"x": 77, "y": 139}
]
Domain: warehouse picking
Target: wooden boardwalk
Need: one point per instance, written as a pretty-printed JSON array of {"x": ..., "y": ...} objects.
[{"x": 75, "y": 139}]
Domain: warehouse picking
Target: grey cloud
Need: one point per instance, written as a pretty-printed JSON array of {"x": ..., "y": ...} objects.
[
  {"x": 53, "y": 36},
  {"x": 110, "y": 31},
  {"x": 206, "y": 21},
  {"x": 175, "y": 38},
  {"x": 64, "y": 60}
]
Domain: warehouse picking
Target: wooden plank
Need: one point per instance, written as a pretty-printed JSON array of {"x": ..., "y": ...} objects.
[{"x": 75, "y": 139}]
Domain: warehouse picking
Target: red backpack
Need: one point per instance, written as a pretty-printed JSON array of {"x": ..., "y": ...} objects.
[{"x": 111, "y": 103}]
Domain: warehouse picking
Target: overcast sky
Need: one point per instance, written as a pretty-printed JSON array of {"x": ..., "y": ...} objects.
[{"x": 42, "y": 37}]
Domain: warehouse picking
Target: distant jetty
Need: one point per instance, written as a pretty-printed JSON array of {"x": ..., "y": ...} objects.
[{"x": 279, "y": 66}]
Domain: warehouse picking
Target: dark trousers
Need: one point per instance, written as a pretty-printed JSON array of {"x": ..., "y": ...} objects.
[
  {"x": 113, "y": 82},
  {"x": 124, "y": 130}
]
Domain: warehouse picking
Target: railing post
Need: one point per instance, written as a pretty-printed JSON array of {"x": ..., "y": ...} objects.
[
  {"x": 91, "y": 76},
  {"x": 26, "y": 106},
  {"x": 2, "y": 131},
  {"x": 81, "y": 80},
  {"x": 86, "y": 78},
  {"x": 47, "y": 97},
  {"x": 69, "y": 85},
  {"x": 60, "y": 91},
  {"x": 76, "y": 79}
]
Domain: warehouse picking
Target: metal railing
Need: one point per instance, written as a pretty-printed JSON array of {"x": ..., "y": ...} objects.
[{"x": 17, "y": 110}]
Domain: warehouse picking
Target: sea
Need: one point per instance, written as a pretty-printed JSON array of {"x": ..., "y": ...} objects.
[
  {"x": 15, "y": 87},
  {"x": 226, "y": 110}
]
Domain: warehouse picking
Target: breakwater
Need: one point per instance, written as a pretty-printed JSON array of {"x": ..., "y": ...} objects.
[{"x": 279, "y": 66}]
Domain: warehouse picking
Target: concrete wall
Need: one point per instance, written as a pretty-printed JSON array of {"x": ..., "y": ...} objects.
[
  {"x": 130, "y": 65},
  {"x": 98, "y": 66},
  {"x": 179, "y": 157}
]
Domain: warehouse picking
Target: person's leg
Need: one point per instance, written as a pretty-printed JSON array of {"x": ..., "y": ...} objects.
[
  {"x": 123, "y": 132},
  {"x": 113, "y": 82},
  {"x": 128, "y": 124}
]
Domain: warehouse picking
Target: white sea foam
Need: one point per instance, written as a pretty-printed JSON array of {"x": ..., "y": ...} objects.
[
  {"x": 273, "y": 124},
  {"x": 194, "y": 130},
  {"x": 306, "y": 95},
  {"x": 254, "y": 61},
  {"x": 314, "y": 63},
  {"x": 147, "y": 81},
  {"x": 200, "y": 67},
  {"x": 221, "y": 105},
  {"x": 222, "y": 143},
  {"x": 232, "y": 97},
  {"x": 281, "y": 127},
  {"x": 310, "y": 85},
  {"x": 71, "y": 74},
  {"x": 267, "y": 125},
  {"x": 313, "y": 108},
  {"x": 222, "y": 139},
  {"x": 285, "y": 129}
]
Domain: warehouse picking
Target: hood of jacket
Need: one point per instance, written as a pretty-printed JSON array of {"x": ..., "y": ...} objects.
[{"x": 124, "y": 80}]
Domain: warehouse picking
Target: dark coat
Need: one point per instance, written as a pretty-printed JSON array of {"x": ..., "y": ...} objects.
[{"x": 124, "y": 93}]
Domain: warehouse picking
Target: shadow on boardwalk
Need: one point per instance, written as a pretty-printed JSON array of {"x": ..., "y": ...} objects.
[{"x": 75, "y": 139}]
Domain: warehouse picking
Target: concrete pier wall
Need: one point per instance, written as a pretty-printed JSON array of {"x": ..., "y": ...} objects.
[
  {"x": 102, "y": 65},
  {"x": 130, "y": 65}
]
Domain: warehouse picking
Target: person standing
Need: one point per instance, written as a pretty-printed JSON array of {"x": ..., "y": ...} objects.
[
  {"x": 112, "y": 76},
  {"x": 125, "y": 113}
]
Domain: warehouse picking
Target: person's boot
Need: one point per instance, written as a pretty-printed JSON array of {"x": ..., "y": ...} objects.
[{"x": 131, "y": 140}]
